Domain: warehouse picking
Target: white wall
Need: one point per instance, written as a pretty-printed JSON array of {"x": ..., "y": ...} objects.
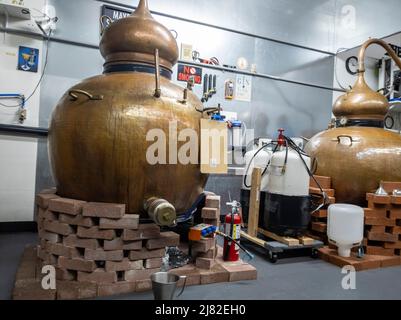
[{"x": 18, "y": 154}]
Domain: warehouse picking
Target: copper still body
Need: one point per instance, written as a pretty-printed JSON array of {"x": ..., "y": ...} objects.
[
  {"x": 359, "y": 152},
  {"x": 97, "y": 137}
]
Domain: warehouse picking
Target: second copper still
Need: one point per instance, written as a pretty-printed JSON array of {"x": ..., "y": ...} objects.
[
  {"x": 97, "y": 139},
  {"x": 359, "y": 152}
]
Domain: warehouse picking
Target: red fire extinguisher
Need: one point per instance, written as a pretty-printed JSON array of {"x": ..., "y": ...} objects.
[{"x": 232, "y": 228}]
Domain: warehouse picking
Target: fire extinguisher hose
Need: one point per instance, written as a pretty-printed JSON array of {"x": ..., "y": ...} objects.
[{"x": 250, "y": 255}]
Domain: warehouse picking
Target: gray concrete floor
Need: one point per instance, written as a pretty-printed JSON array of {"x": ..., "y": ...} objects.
[{"x": 293, "y": 278}]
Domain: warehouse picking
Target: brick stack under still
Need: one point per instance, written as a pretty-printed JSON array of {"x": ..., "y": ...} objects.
[{"x": 99, "y": 250}]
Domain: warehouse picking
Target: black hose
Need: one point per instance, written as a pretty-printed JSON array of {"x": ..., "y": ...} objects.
[{"x": 249, "y": 165}]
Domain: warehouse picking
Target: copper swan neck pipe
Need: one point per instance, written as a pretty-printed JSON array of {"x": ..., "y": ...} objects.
[{"x": 362, "y": 53}]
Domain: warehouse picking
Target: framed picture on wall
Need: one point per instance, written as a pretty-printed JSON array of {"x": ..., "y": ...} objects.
[{"x": 28, "y": 59}]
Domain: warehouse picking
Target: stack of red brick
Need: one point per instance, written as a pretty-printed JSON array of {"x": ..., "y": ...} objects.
[
  {"x": 209, "y": 266},
  {"x": 318, "y": 226},
  {"x": 383, "y": 222},
  {"x": 98, "y": 243}
]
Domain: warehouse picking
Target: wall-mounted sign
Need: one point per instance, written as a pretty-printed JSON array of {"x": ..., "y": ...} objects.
[
  {"x": 113, "y": 13},
  {"x": 28, "y": 59},
  {"x": 184, "y": 72},
  {"x": 243, "y": 88}
]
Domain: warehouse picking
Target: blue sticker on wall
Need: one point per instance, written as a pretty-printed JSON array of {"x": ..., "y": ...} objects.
[{"x": 28, "y": 59}]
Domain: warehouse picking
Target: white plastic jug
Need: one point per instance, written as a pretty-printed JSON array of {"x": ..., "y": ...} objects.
[{"x": 345, "y": 225}]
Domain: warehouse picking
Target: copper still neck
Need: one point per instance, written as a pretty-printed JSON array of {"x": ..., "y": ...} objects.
[
  {"x": 135, "y": 39},
  {"x": 362, "y": 103}
]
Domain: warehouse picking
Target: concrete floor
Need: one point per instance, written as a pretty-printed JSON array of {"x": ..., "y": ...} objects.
[{"x": 295, "y": 278}]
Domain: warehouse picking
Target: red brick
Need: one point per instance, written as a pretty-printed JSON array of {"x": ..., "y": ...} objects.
[
  {"x": 395, "y": 214},
  {"x": 146, "y": 254},
  {"x": 97, "y": 276},
  {"x": 101, "y": 255},
  {"x": 42, "y": 199},
  {"x": 63, "y": 274},
  {"x": 32, "y": 290},
  {"x": 153, "y": 263},
  {"x": 60, "y": 250},
  {"x": 143, "y": 285},
  {"x": 324, "y": 182},
  {"x": 58, "y": 227},
  {"x": 215, "y": 275},
  {"x": 104, "y": 210},
  {"x": 135, "y": 275},
  {"x": 96, "y": 233},
  {"x": 377, "y": 229},
  {"x": 128, "y": 221},
  {"x": 193, "y": 275},
  {"x": 210, "y": 213},
  {"x": 387, "y": 237},
  {"x": 117, "y": 288},
  {"x": 77, "y": 220},
  {"x": 212, "y": 202},
  {"x": 73, "y": 241},
  {"x": 379, "y": 222},
  {"x": 132, "y": 245},
  {"x": 396, "y": 200},
  {"x": 391, "y": 262},
  {"x": 72, "y": 290},
  {"x": 329, "y": 192},
  {"x": 376, "y": 199},
  {"x": 124, "y": 265},
  {"x": 76, "y": 264},
  {"x": 320, "y": 214},
  {"x": 396, "y": 245},
  {"x": 210, "y": 254},
  {"x": 390, "y": 186},
  {"x": 204, "y": 245},
  {"x": 64, "y": 205},
  {"x": 166, "y": 239},
  {"x": 49, "y": 236},
  {"x": 395, "y": 230},
  {"x": 144, "y": 231},
  {"x": 205, "y": 263},
  {"x": 50, "y": 215},
  {"x": 115, "y": 244},
  {"x": 46, "y": 257},
  {"x": 379, "y": 251},
  {"x": 319, "y": 226},
  {"x": 240, "y": 271},
  {"x": 375, "y": 213}
]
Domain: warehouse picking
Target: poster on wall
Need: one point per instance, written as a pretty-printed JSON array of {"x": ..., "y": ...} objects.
[
  {"x": 28, "y": 59},
  {"x": 112, "y": 14},
  {"x": 243, "y": 88}
]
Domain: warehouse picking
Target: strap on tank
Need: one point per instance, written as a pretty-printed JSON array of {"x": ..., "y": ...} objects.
[{"x": 130, "y": 67}]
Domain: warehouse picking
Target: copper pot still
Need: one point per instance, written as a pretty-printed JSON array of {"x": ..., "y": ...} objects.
[
  {"x": 359, "y": 152},
  {"x": 97, "y": 138}
]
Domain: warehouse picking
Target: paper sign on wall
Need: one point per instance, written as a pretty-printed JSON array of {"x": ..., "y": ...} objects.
[
  {"x": 243, "y": 88},
  {"x": 28, "y": 59}
]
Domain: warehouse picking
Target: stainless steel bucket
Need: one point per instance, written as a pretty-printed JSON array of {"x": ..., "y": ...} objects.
[{"x": 164, "y": 285}]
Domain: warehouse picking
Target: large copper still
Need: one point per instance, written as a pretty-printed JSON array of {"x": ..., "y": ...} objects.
[
  {"x": 97, "y": 139},
  {"x": 358, "y": 153}
]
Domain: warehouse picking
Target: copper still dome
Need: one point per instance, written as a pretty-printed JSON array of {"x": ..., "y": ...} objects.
[
  {"x": 359, "y": 152},
  {"x": 97, "y": 137}
]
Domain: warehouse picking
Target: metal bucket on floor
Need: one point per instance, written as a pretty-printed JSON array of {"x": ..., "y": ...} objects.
[{"x": 164, "y": 285}]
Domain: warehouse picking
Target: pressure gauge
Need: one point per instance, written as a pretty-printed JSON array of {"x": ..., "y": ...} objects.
[
  {"x": 351, "y": 64},
  {"x": 242, "y": 63}
]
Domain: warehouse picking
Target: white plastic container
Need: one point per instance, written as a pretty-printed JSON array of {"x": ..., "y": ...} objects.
[
  {"x": 294, "y": 179},
  {"x": 345, "y": 225},
  {"x": 260, "y": 161}
]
